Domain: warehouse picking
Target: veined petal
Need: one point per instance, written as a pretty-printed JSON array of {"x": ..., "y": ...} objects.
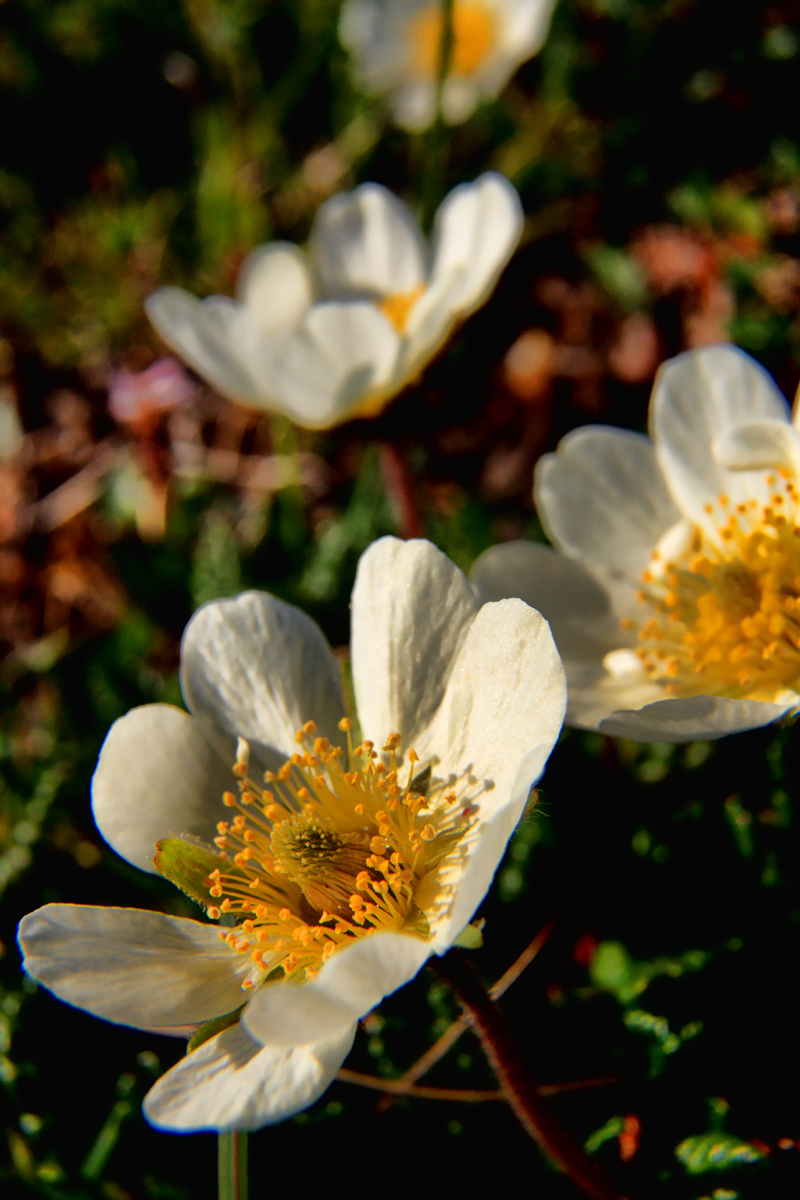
[
  {"x": 501, "y": 715},
  {"x": 696, "y": 396},
  {"x": 694, "y": 718},
  {"x": 258, "y": 668},
  {"x": 275, "y": 286},
  {"x": 350, "y": 983},
  {"x": 603, "y": 501},
  {"x": 476, "y": 230},
  {"x": 131, "y": 966},
  {"x": 341, "y": 355},
  {"x": 576, "y": 606},
  {"x": 156, "y": 776},
  {"x": 218, "y": 338},
  {"x": 751, "y": 445},
  {"x": 367, "y": 243},
  {"x": 233, "y": 1082},
  {"x": 411, "y": 609}
]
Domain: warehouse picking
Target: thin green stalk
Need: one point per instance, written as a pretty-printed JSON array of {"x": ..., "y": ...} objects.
[
  {"x": 433, "y": 173},
  {"x": 232, "y": 1165}
]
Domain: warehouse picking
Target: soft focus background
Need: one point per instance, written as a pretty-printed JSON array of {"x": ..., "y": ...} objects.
[{"x": 656, "y": 146}]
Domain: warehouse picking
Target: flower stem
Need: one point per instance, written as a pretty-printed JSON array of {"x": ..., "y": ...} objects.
[
  {"x": 520, "y": 1090},
  {"x": 400, "y": 486},
  {"x": 433, "y": 174},
  {"x": 232, "y": 1165}
]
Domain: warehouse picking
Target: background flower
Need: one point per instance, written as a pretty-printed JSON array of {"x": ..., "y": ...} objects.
[
  {"x": 395, "y": 47},
  {"x": 336, "y": 334},
  {"x": 479, "y": 691},
  {"x": 677, "y": 575}
]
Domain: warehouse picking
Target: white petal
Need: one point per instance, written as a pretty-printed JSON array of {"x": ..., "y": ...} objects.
[
  {"x": 156, "y": 776},
  {"x": 696, "y": 396},
  {"x": 258, "y": 668},
  {"x": 568, "y": 597},
  {"x": 430, "y": 321},
  {"x": 757, "y": 444},
  {"x": 414, "y": 105},
  {"x": 367, "y": 243},
  {"x": 350, "y": 983},
  {"x": 233, "y": 1082},
  {"x": 461, "y": 95},
  {"x": 603, "y": 501},
  {"x": 275, "y": 286},
  {"x": 476, "y": 230},
  {"x": 131, "y": 966},
  {"x": 596, "y": 693},
  {"x": 499, "y": 720},
  {"x": 411, "y": 609},
  {"x": 693, "y": 718},
  {"x": 342, "y": 354},
  {"x": 218, "y": 338},
  {"x": 525, "y": 27}
]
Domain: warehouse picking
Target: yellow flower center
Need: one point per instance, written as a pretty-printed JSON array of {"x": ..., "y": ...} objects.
[
  {"x": 726, "y": 612},
  {"x": 397, "y": 306},
  {"x": 323, "y": 854},
  {"x": 474, "y": 29}
]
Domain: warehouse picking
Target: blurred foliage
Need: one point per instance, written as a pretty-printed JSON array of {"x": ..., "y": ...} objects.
[{"x": 656, "y": 145}]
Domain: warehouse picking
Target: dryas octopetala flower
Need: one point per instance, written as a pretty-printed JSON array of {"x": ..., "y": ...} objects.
[
  {"x": 334, "y": 334},
  {"x": 337, "y": 869},
  {"x": 675, "y": 600},
  {"x": 396, "y": 47}
]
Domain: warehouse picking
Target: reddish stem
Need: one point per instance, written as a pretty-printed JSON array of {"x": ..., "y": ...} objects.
[
  {"x": 521, "y": 1092},
  {"x": 400, "y": 486}
]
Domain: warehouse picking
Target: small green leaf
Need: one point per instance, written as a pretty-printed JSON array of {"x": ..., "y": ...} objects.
[
  {"x": 187, "y": 864},
  {"x": 715, "y": 1152},
  {"x": 212, "y": 1027},
  {"x": 612, "y": 1129}
]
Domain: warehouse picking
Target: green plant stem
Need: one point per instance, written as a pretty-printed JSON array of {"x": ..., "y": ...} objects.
[
  {"x": 232, "y": 1165},
  {"x": 433, "y": 173},
  {"x": 520, "y": 1090}
]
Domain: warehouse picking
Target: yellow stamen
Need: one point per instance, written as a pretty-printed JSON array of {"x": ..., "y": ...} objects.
[{"x": 474, "y": 31}]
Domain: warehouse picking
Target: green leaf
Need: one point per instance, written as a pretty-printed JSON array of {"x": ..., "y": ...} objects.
[
  {"x": 715, "y": 1152},
  {"x": 187, "y": 864},
  {"x": 471, "y": 936},
  {"x": 612, "y": 1129},
  {"x": 614, "y": 970}
]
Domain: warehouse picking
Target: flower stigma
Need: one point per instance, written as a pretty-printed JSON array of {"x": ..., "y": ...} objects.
[
  {"x": 726, "y": 609},
  {"x": 474, "y": 29},
  {"x": 320, "y": 855}
]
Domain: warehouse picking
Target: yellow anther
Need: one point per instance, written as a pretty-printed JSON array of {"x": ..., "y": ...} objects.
[
  {"x": 345, "y": 724},
  {"x": 285, "y": 914},
  {"x": 427, "y": 833},
  {"x": 248, "y": 798},
  {"x": 229, "y": 799},
  {"x": 310, "y": 728}
]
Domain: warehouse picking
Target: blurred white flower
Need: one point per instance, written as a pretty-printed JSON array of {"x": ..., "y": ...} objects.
[
  {"x": 396, "y": 46},
  {"x": 345, "y": 869},
  {"x": 675, "y": 600},
  {"x": 335, "y": 334}
]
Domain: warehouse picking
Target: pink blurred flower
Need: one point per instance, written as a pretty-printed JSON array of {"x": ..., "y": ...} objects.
[{"x": 138, "y": 396}]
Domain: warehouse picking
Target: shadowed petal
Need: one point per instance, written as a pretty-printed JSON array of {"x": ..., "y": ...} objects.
[
  {"x": 367, "y": 243},
  {"x": 275, "y": 286},
  {"x": 156, "y": 776},
  {"x": 258, "y": 668},
  {"x": 131, "y": 966},
  {"x": 233, "y": 1082},
  {"x": 350, "y": 983},
  {"x": 411, "y": 608},
  {"x": 693, "y": 718}
]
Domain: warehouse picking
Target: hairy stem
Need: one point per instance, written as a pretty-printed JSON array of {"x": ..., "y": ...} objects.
[{"x": 521, "y": 1092}]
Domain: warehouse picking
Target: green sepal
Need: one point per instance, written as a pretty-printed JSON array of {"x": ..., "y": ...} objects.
[
  {"x": 187, "y": 864},
  {"x": 216, "y": 1025},
  {"x": 471, "y": 936}
]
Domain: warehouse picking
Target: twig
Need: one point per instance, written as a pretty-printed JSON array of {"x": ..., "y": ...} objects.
[
  {"x": 451, "y": 1035},
  {"x": 396, "y": 1087},
  {"x": 520, "y": 1091},
  {"x": 400, "y": 487}
]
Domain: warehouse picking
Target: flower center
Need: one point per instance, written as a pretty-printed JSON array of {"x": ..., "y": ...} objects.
[
  {"x": 397, "y": 306},
  {"x": 726, "y": 610},
  {"x": 474, "y": 28},
  {"x": 323, "y": 854}
]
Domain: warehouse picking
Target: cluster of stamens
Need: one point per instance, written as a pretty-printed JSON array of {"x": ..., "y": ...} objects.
[
  {"x": 726, "y": 612},
  {"x": 319, "y": 854}
]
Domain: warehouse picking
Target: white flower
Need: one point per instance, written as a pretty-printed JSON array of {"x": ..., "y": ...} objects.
[
  {"x": 396, "y": 46},
  {"x": 335, "y": 334},
  {"x": 675, "y": 600},
  {"x": 344, "y": 876}
]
